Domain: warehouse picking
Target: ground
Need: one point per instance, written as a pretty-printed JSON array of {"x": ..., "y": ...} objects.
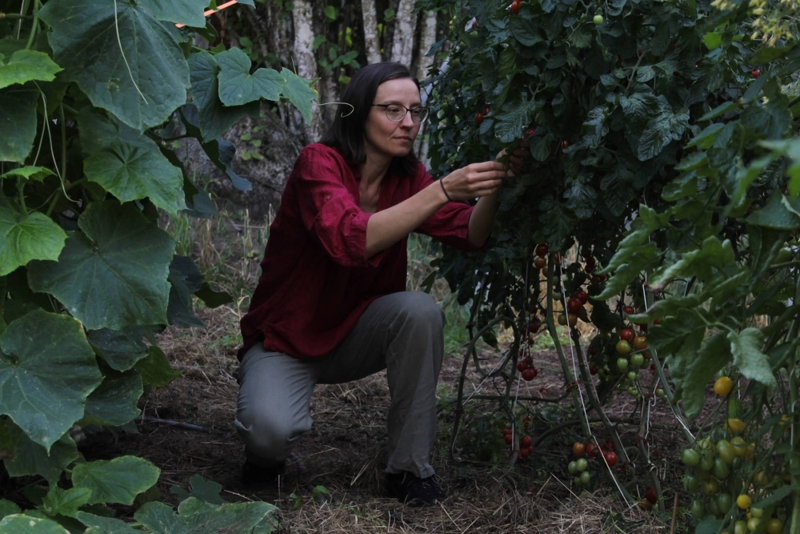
[{"x": 334, "y": 484}]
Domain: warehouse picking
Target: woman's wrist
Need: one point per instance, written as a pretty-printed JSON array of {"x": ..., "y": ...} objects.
[{"x": 441, "y": 182}]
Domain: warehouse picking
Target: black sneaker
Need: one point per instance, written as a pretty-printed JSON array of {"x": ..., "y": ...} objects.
[
  {"x": 414, "y": 491},
  {"x": 253, "y": 474}
]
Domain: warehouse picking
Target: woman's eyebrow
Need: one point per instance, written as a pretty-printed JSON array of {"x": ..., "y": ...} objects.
[{"x": 398, "y": 103}]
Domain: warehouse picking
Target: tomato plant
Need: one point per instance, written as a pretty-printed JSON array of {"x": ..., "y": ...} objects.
[{"x": 657, "y": 150}]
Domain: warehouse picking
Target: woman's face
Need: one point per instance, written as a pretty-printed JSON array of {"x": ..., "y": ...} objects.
[{"x": 386, "y": 139}]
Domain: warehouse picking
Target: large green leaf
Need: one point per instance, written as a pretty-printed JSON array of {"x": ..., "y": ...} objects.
[
  {"x": 30, "y": 458},
  {"x": 115, "y": 481},
  {"x": 124, "y": 59},
  {"x": 132, "y": 173},
  {"x": 185, "y": 278},
  {"x": 47, "y": 369},
  {"x": 214, "y": 118},
  {"x": 27, "y": 237},
  {"x": 297, "y": 91},
  {"x": 155, "y": 369},
  {"x": 238, "y": 87},
  {"x": 748, "y": 358},
  {"x": 189, "y": 12},
  {"x": 196, "y": 517},
  {"x": 114, "y": 401},
  {"x": 660, "y": 130},
  {"x": 25, "y": 524},
  {"x": 120, "y": 348},
  {"x": 114, "y": 273},
  {"x": 65, "y": 502},
  {"x": 109, "y": 525},
  {"x": 18, "y": 124},
  {"x": 26, "y": 65}
]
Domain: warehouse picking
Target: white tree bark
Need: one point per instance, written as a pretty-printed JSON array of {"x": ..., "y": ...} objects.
[
  {"x": 370, "y": 22},
  {"x": 427, "y": 40},
  {"x": 304, "y": 60},
  {"x": 405, "y": 25}
]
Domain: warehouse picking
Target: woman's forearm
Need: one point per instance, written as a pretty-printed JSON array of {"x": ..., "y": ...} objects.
[
  {"x": 387, "y": 227},
  {"x": 482, "y": 220}
]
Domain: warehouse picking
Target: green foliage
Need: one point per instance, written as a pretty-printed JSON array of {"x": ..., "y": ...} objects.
[
  {"x": 94, "y": 99},
  {"x": 660, "y": 151}
]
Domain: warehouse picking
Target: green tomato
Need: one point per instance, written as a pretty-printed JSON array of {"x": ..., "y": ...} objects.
[
  {"x": 572, "y": 468},
  {"x": 724, "y": 502},
  {"x": 740, "y": 527},
  {"x": 623, "y": 347},
  {"x": 709, "y": 487},
  {"x": 637, "y": 360},
  {"x": 581, "y": 464},
  {"x": 721, "y": 469},
  {"x": 726, "y": 451},
  {"x": 698, "y": 509},
  {"x": 585, "y": 478},
  {"x": 660, "y": 393},
  {"x": 598, "y": 20},
  {"x": 712, "y": 506},
  {"x": 557, "y": 296},
  {"x": 632, "y": 375},
  {"x": 706, "y": 461},
  {"x": 756, "y": 512},
  {"x": 622, "y": 363},
  {"x": 690, "y": 457}
]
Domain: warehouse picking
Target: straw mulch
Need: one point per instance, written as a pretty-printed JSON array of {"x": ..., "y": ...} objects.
[{"x": 334, "y": 484}]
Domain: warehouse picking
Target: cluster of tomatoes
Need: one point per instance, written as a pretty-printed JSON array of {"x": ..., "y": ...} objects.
[
  {"x": 526, "y": 368},
  {"x": 525, "y": 444},
  {"x": 716, "y": 474},
  {"x": 583, "y": 453}
]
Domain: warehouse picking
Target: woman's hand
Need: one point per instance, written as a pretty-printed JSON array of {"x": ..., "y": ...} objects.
[{"x": 475, "y": 180}]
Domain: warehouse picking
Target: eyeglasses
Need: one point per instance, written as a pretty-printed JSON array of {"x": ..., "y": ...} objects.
[{"x": 397, "y": 112}]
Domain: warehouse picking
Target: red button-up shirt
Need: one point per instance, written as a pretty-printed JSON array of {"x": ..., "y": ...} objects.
[{"x": 316, "y": 280}]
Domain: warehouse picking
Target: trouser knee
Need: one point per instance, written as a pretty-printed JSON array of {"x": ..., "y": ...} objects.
[{"x": 269, "y": 439}]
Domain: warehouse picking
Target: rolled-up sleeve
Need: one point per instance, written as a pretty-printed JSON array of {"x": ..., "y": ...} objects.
[{"x": 326, "y": 195}]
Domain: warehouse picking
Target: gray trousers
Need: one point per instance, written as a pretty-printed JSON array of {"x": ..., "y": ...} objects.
[{"x": 402, "y": 333}]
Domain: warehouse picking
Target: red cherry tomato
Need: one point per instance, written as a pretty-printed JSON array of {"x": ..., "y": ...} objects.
[
  {"x": 611, "y": 458},
  {"x": 627, "y": 334},
  {"x": 574, "y": 305}
]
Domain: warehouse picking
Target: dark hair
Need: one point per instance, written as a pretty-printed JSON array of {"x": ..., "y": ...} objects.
[{"x": 346, "y": 134}]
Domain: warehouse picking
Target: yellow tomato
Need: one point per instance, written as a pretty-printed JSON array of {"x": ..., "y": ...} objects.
[
  {"x": 744, "y": 501},
  {"x": 723, "y": 386},
  {"x": 739, "y": 446},
  {"x": 735, "y": 426}
]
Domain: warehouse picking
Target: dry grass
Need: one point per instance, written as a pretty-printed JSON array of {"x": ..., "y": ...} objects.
[{"x": 344, "y": 453}]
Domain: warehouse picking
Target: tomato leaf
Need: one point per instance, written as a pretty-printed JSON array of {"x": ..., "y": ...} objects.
[
  {"x": 713, "y": 355},
  {"x": 748, "y": 358}
]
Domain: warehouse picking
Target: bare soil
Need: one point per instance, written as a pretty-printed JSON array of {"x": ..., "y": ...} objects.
[{"x": 344, "y": 454}]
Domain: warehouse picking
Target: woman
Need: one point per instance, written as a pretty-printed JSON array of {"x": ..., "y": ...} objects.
[{"x": 331, "y": 304}]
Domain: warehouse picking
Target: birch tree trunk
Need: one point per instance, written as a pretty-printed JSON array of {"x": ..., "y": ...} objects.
[
  {"x": 372, "y": 47},
  {"x": 404, "y": 28},
  {"x": 427, "y": 40},
  {"x": 306, "y": 64}
]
